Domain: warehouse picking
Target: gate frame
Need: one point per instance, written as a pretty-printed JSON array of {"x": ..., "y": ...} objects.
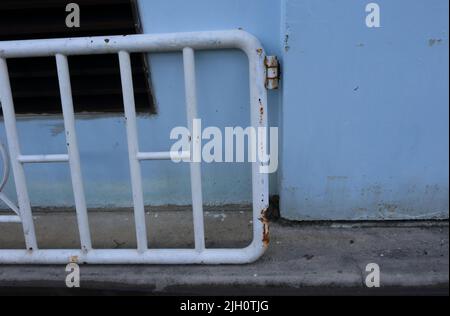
[{"x": 187, "y": 43}]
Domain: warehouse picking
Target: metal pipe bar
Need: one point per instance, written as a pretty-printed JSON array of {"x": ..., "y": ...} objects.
[
  {"x": 258, "y": 119},
  {"x": 9, "y": 117},
  {"x": 72, "y": 148},
  {"x": 132, "y": 256},
  {"x": 131, "y": 43},
  {"x": 5, "y": 160},
  {"x": 10, "y": 219},
  {"x": 43, "y": 158},
  {"x": 164, "y": 155},
  {"x": 9, "y": 203},
  {"x": 195, "y": 167},
  {"x": 133, "y": 149}
]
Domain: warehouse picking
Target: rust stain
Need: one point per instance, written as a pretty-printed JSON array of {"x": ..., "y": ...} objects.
[
  {"x": 271, "y": 62},
  {"x": 261, "y": 112},
  {"x": 265, "y": 221},
  {"x": 74, "y": 259},
  {"x": 259, "y": 51}
]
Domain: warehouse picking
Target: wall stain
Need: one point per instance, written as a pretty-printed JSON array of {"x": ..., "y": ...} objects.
[
  {"x": 56, "y": 129},
  {"x": 389, "y": 207},
  {"x": 434, "y": 41},
  {"x": 286, "y": 42},
  {"x": 337, "y": 178}
]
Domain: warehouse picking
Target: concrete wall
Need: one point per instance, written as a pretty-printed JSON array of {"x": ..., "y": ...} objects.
[{"x": 363, "y": 112}]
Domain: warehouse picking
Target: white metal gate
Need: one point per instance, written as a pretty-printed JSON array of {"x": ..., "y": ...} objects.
[{"x": 123, "y": 46}]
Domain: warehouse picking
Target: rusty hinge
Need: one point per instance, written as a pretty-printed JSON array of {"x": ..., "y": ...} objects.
[{"x": 272, "y": 72}]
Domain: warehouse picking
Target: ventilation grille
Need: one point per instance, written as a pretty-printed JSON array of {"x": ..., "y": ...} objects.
[{"x": 95, "y": 79}]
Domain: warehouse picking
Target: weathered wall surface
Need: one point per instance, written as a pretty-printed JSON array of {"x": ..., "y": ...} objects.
[{"x": 365, "y": 111}]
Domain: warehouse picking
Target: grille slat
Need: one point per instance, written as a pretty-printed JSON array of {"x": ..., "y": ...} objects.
[{"x": 95, "y": 78}]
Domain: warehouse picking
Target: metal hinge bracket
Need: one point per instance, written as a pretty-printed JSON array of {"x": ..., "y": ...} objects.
[{"x": 272, "y": 72}]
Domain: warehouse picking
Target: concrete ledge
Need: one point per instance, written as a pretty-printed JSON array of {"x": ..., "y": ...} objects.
[{"x": 302, "y": 259}]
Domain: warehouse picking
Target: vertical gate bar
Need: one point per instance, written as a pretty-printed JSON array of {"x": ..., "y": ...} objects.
[
  {"x": 9, "y": 117},
  {"x": 258, "y": 118},
  {"x": 195, "y": 167},
  {"x": 72, "y": 147},
  {"x": 133, "y": 149}
]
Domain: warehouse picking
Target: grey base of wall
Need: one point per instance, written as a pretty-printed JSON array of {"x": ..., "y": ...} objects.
[{"x": 303, "y": 258}]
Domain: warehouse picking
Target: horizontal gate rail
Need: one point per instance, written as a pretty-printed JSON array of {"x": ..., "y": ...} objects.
[{"x": 187, "y": 43}]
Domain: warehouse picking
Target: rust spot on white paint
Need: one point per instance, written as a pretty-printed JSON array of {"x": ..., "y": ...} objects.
[{"x": 266, "y": 234}]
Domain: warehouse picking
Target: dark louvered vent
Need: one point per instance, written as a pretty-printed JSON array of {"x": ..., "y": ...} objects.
[{"x": 95, "y": 79}]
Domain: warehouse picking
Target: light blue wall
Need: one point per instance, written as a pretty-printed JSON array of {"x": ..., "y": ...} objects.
[
  {"x": 365, "y": 111},
  {"x": 223, "y": 101}
]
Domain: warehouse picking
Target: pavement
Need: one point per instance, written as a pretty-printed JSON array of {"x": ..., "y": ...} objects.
[{"x": 304, "y": 258}]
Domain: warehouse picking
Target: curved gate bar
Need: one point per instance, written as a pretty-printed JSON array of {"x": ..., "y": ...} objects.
[{"x": 187, "y": 43}]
